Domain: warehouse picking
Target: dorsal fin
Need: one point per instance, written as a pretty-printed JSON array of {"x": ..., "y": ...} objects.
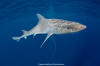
[{"x": 40, "y": 17}]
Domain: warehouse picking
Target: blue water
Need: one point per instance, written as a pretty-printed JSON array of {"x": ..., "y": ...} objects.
[{"x": 77, "y": 49}]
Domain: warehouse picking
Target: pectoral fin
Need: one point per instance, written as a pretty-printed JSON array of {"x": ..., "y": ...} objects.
[{"x": 49, "y": 34}]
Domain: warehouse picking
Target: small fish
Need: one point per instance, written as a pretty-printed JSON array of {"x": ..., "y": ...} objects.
[{"x": 50, "y": 27}]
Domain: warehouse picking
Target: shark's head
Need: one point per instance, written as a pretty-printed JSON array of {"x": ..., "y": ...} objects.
[{"x": 77, "y": 27}]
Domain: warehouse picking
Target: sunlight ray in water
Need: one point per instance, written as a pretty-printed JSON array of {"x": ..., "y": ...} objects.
[
  {"x": 50, "y": 14},
  {"x": 54, "y": 43}
]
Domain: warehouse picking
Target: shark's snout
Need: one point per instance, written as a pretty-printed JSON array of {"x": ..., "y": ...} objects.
[
  {"x": 82, "y": 27},
  {"x": 78, "y": 27}
]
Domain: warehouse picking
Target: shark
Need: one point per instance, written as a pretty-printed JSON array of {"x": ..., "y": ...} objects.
[{"x": 50, "y": 27}]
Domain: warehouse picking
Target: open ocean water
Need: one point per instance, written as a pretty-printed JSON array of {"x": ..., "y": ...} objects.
[{"x": 77, "y": 49}]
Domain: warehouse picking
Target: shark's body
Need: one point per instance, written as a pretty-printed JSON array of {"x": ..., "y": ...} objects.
[{"x": 50, "y": 27}]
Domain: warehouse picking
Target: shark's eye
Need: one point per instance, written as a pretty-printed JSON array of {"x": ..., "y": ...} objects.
[{"x": 69, "y": 27}]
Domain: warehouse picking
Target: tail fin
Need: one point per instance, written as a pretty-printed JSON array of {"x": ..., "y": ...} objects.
[{"x": 16, "y": 38}]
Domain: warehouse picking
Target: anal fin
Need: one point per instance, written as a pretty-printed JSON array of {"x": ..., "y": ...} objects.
[
  {"x": 34, "y": 35},
  {"x": 49, "y": 34}
]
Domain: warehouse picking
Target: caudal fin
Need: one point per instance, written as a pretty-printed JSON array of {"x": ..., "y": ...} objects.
[{"x": 16, "y": 38}]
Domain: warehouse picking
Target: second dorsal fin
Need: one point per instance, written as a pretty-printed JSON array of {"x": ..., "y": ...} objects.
[{"x": 24, "y": 32}]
